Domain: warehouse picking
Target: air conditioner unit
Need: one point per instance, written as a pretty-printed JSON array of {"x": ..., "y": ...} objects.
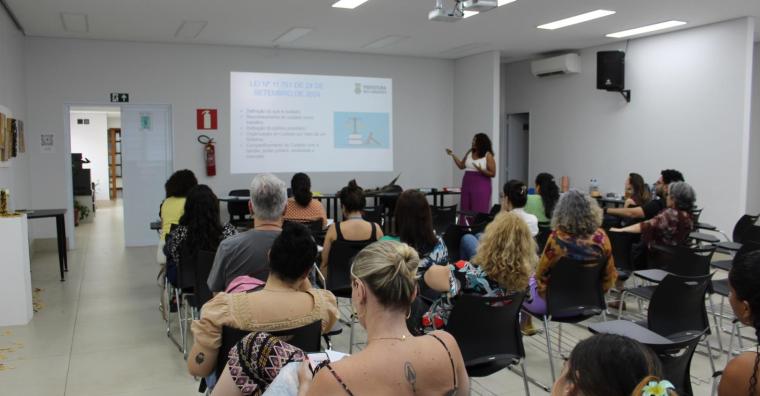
[{"x": 563, "y": 64}]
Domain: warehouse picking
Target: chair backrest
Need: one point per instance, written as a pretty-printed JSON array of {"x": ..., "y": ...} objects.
[
  {"x": 752, "y": 234},
  {"x": 742, "y": 226},
  {"x": 487, "y": 329},
  {"x": 238, "y": 210},
  {"x": 374, "y": 214},
  {"x": 682, "y": 260},
  {"x": 695, "y": 214},
  {"x": 186, "y": 267},
  {"x": 544, "y": 230},
  {"x": 747, "y": 247},
  {"x": 314, "y": 226},
  {"x": 452, "y": 237},
  {"x": 306, "y": 337},
  {"x": 339, "y": 266},
  {"x": 443, "y": 217},
  {"x": 676, "y": 366},
  {"x": 622, "y": 247},
  {"x": 678, "y": 305},
  {"x": 204, "y": 262},
  {"x": 575, "y": 288}
]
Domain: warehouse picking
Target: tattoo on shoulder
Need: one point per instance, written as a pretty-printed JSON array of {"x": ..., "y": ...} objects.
[
  {"x": 411, "y": 376},
  {"x": 200, "y": 357}
]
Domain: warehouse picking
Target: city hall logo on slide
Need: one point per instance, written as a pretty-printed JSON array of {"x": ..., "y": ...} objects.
[{"x": 360, "y": 88}]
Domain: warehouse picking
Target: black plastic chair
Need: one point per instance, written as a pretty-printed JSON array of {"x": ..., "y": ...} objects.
[
  {"x": 338, "y": 279},
  {"x": 574, "y": 294},
  {"x": 487, "y": 330},
  {"x": 375, "y": 214},
  {"x": 240, "y": 216},
  {"x": 678, "y": 260},
  {"x": 741, "y": 228},
  {"x": 443, "y": 217},
  {"x": 676, "y": 365},
  {"x": 746, "y": 247},
  {"x": 544, "y": 230}
]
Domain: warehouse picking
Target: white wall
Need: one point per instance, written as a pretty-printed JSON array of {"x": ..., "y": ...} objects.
[
  {"x": 92, "y": 141},
  {"x": 753, "y": 181},
  {"x": 14, "y": 174},
  {"x": 64, "y": 71},
  {"x": 476, "y": 108},
  {"x": 690, "y": 93}
]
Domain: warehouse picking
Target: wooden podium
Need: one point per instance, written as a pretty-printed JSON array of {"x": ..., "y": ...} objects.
[{"x": 15, "y": 275}]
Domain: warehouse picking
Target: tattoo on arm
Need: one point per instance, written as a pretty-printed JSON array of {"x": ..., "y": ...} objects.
[
  {"x": 200, "y": 357},
  {"x": 411, "y": 376}
]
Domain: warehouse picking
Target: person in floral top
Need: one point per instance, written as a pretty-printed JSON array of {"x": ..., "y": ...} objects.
[
  {"x": 576, "y": 234},
  {"x": 672, "y": 226},
  {"x": 504, "y": 260}
]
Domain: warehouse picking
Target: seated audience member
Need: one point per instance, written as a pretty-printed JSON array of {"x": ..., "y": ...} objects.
[
  {"x": 199, "y": 229},
  {"x": 542, "y": 203},
  {"x": 576, "y": 235},
  {"x": 671, "y": 226},
  {"x": 612, "y": 365},
  {"x": 506, "y": 257},
  {"x": 302, "y": 207},
  {"x": 740, "y": 377},
  {"x": 287, "y": 301},
  {"x": 414, "y": 226},
  {"x": 172, "y": 207},
  {"x": 636, "y": 191},
  {"x": 393, "y": 363},
  {"x": 246, "y": 253},
  {"x": 513, "y": 199},
  {"x": 655, "y": 206},
  {"x": 353, "y": 227}
]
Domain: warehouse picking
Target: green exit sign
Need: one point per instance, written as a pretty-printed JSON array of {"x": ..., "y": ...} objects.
[{"x": 118, "y": 97}]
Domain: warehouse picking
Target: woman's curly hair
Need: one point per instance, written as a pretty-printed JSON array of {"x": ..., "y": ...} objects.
[
  {"x": 507, "y": 252},
  {"x": 577, "y": 214}
]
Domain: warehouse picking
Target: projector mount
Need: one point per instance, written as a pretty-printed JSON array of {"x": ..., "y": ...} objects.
[{"x": 456, "y": 12}]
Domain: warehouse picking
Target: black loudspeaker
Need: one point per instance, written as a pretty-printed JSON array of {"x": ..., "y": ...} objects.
[{"x": 610, "y": 70}]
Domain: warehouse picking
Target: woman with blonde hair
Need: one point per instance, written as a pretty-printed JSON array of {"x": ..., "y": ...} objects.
[{"x": 505, "y": 258}]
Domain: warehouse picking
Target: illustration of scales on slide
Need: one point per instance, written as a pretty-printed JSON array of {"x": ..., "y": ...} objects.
[{"x": 357, "y": 139}]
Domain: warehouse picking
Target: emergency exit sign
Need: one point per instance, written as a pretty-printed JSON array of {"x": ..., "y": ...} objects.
[{"x": 119, "y": 97}]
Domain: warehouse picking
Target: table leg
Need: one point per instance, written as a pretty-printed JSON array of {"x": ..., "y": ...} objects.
[{"x": 60, "y": 231}]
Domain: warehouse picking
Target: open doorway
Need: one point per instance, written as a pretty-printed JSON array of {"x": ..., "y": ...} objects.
[
  {"x": 515, "y": 142},
  {"x": 95, "y": 159}
]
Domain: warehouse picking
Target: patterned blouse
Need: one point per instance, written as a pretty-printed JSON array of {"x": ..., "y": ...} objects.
[
  {"x": 561, "y": 244},
  {"x": 670, "y": 227},
  {"x": 313, "y": 211},
  {"x": 476, "y": 281},
  {"x": 178, "y": 236}
]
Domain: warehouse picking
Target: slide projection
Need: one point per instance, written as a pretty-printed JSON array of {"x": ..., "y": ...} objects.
[{"x": 310, "y": 123}]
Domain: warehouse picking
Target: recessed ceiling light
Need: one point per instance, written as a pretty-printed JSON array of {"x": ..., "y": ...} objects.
[
  {"x": 576, "y": 19},
  {"x": 646, "y": 29},
  {"x": 385, "y": 42},
  {"x": 292, "y": 35},
  {"x": 349, "y": 4},
  {"x": 190, "y": 29},
  {"x": 467, "y": 14},
  {"x": 75, "y": 22},
  {"x": 504, "y": 2}
]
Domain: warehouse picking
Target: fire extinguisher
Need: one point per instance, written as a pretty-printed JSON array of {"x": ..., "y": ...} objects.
[{"x": 209, "y": 154}]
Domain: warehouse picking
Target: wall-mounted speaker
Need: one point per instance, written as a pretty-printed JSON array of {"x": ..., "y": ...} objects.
[{"x": 610, "y": 70}]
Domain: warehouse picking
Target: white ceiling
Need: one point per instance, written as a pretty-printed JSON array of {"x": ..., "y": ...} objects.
[{"x": 510, "y": 29}]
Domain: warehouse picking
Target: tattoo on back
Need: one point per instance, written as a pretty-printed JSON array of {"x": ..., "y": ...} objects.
[
  {"x": 411, "y": 376},
  {"x": 200, "y": 357}
]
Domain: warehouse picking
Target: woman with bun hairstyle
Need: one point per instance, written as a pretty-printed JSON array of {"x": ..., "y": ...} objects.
[
  {"x": 302, "y": 207},
  {"x": 612, "y": 365},
  {"x": 740, "y": 377},
  {"x": 393, "y": 363}
]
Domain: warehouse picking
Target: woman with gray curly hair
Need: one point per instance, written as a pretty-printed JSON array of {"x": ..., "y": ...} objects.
[
  {"x": 671, "y": 226},
  {"x": 576, "y": 234}
]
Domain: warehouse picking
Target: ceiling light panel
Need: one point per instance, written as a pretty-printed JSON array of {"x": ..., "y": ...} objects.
[
  {"x": 190, "y": 29},
  {"x": 646, "y": 29},
  {"x": 348, "y": 4},
  {"x": 589, "y": 16},
  {"x": 385, "y": 42},
  {"x": 292, "y": 35},
  {"x": 75, "y": 22},
  {"x": 467, "y": 14},
  {"x": 505, "y": 2}
]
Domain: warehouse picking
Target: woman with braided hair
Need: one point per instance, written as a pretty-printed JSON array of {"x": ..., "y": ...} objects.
[{"x": 740, "y": 377}]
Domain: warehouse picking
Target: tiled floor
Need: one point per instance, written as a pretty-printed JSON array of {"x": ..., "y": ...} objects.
[{"x": 101, "y": 333}]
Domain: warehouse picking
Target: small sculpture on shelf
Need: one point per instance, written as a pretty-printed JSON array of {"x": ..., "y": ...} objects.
[{"x": 5, "y": 197}]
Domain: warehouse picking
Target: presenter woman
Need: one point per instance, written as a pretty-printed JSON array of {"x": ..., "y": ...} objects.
[{"x": 480, "y": 167}]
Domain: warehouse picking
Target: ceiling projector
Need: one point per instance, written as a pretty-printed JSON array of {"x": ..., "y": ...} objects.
[{"x": 479, "y": 5}]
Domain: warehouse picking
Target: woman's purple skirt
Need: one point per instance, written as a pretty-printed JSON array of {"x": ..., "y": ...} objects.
[{"x": 476, "y": 192}]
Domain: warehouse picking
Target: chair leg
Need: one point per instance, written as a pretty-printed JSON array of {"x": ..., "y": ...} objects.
[
  {"x": 525, "y": 377},
  {"x": 709, "y": 353},
  {"x": 559, "y": 341},
  {"x": 351, "y": 336},
  {"x": 718, "y": 330},
  {"x": 549, "y": 347},
  {"x": 620, "y": 306},
  {"x": 730, "y": 344},
  {"x": 181, "y": 325}
]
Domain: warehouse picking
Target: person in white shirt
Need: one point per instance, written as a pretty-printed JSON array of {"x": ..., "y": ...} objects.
[{"x": 513, "y": 199}]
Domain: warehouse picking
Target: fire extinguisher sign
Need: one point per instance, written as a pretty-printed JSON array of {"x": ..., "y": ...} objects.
[{"x": 206, "y": 119}]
